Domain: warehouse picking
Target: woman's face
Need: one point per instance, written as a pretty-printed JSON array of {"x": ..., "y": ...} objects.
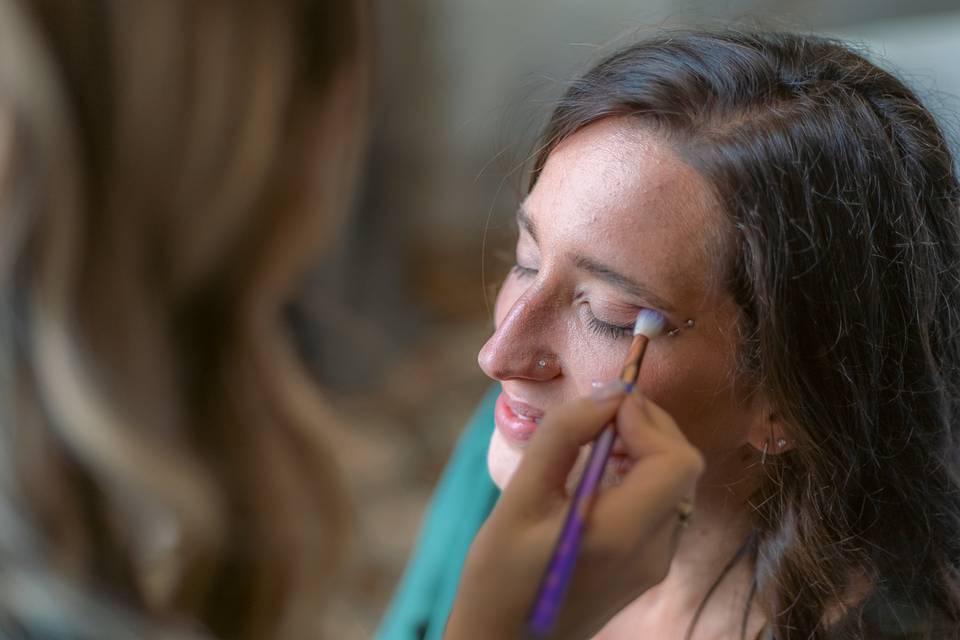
[{"x": 615, "y": 223}]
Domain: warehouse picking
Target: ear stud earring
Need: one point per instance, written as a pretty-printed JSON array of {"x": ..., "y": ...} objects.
[{"x": 779, "y": 443}]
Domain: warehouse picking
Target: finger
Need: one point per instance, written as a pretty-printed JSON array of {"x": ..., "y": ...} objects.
[
  {"x": 649, "y": 493},
  {"x": 565, "y": 430},
  {"x": 657, "y": 414},
  {"x": 556, "y": 443},
  {"x": 638, "y": 422},
  {"x": 666, "y": 471}
]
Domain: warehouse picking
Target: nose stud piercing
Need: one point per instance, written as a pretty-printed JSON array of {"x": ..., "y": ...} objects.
[
  {"x": 689, "y": 323},
  {"x": 541, "y": 363}
]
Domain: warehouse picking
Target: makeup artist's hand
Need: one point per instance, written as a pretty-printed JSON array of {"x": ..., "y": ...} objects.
[{"x": 627, "y": 546}]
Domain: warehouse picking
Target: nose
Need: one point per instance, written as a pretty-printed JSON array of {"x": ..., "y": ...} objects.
[{"x": 521, "y": 346}]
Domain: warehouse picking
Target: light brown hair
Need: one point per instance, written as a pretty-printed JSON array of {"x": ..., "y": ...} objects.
[{"x": 168, "y": 171}]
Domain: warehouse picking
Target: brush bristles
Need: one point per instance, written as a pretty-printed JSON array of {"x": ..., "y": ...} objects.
[{"x": 649, "y": 323}]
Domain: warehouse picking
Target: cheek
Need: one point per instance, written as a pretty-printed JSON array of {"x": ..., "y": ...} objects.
[
  {"x": 697, "y": 391},
  {"x": 591, "y": 359}
]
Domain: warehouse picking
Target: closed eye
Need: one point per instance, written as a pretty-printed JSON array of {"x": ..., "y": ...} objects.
[
  {"x": 523, "y": 272},
  {"x": 607, "y": 330}
]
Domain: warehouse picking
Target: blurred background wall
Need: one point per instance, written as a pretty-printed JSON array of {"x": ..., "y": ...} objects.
[{"x": 462, "y": 87}]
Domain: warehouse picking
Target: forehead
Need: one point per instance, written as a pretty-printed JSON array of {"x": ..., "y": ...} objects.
[{"x": 618, "y": 190}]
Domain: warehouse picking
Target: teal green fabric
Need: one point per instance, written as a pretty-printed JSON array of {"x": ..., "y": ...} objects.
[{"x": 460, "y": 504}]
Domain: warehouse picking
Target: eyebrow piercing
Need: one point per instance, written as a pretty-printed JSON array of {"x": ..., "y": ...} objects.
[{"x": 689, "y": 324}]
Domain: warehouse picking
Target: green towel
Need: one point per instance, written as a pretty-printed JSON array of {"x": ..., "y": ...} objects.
[{"x": 462, "y": 501}]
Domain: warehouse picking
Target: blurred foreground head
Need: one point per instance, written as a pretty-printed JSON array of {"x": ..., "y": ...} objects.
[{"x": 167, "y": 171}]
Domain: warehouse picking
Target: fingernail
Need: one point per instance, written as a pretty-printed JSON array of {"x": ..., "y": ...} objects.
[{"x": 606, "y": 390}]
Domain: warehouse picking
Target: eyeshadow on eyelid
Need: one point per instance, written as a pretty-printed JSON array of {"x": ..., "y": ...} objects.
[
  {"x": 625, "y": 309},
  {"x": 614, "y": 317}
]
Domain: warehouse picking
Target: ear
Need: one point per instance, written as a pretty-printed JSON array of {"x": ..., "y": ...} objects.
[{"x": 769, "y": 434}]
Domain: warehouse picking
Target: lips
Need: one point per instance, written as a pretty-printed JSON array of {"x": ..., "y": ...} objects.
[{"x": 516, "y": 420}]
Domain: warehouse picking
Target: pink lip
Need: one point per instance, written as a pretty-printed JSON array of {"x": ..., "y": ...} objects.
[
  {"x": 514, "y": 419},
  {"x": 517, "y": 421}
]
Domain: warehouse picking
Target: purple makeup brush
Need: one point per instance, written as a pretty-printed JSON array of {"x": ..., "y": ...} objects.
[{"x": 553, "y": 587}]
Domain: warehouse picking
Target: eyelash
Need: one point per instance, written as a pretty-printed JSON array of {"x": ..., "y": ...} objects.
[
  {"x": 523, "y": 272},
  {"x": 598, "y": 326},
  {"x": 607, "y": 330}
]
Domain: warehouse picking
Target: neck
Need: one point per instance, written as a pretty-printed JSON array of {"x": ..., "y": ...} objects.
[{"x": 716, "y": 533}]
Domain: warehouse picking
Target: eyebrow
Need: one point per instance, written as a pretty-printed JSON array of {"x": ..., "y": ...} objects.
[
  {"x": 621, "y": 281},
  {"x": 600, "y": 270}
]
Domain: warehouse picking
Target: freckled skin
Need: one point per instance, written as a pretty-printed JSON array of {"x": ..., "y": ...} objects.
[{"x": 617, "y": 194}]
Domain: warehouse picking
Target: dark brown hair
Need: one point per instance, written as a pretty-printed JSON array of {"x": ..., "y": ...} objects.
[
  {"x": 844, "y": 256},
  {"x": 167, "y": 172}
]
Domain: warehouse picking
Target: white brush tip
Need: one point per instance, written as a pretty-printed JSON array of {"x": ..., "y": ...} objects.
[{"x": 649, "y": 323}]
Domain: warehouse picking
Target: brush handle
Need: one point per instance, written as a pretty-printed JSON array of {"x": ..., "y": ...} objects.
[
  {"x": 557, "y": 576},
  {"x": 555, "y": 580}
]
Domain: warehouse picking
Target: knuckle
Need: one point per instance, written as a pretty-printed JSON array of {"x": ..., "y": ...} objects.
[
  {"x": 633, "y": 423},
  {"x": 690, "y": 461},
  {"x": 659, "y": 415},
  {"x": 697, "y": 462}
]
